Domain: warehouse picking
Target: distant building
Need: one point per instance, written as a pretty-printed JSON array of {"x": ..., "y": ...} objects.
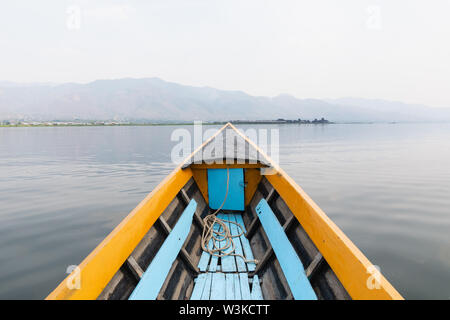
[{"x": 281, "y": 121}]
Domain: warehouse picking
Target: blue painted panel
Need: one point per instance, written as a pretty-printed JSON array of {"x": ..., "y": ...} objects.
[
  {"x": 155, "y": 275},
  {"x": 256, "y": 289},
  {"x": 228, "y": 262},
  {"x": 229, "y": 286},
  {"x": 237, "y": 287},
  {"x": 204, "y": 259},
  {"x": 207, "y": 289},
  {"x": 245, "y": 287},
  {"x": 217, "y": 187},
  {"x": 214, "y": 259},
  {"x": 218, "y": 286},
  {"x": 287, "y": 257},
  {"x": 235, "y": 230},
  {"x": 198, "y": 287},
  {"x": 245, "y": 244}
]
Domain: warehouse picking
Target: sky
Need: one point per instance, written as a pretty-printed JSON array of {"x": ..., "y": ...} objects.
[{"x": 384, "y": 49}]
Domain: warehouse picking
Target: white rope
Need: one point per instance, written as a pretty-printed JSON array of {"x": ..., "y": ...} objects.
[{"x": 221, "y": 233}]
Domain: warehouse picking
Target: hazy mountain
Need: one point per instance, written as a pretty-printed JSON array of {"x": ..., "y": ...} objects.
[
  {"x": 395, "y": 110},
  {"x": 158, "y": 100}
]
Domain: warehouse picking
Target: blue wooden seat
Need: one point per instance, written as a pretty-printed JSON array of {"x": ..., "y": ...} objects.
[
  {"x": 287, "y": 257},
  {"x": 156, "y": 273}
]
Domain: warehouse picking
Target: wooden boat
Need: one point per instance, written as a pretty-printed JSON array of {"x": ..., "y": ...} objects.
[{"x": 287, "y": 248}]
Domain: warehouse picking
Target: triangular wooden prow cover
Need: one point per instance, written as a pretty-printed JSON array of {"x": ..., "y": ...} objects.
[{"x": 228, "y": 146}]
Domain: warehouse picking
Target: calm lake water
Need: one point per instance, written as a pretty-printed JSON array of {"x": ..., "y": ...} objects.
[{"x": 387, "y": 186}]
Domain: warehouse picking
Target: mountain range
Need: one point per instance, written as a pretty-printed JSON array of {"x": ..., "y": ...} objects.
[{"x": 153, "y": 99}]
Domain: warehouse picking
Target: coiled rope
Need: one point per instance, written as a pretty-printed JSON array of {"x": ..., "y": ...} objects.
[{"x": 220, "y": 234}]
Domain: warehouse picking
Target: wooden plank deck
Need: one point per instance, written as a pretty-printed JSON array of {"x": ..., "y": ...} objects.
[
  {"x": 204, "y": 259},
  {"x": 235, "y": 230},
  {"x": 228, "y": 263},
  {"x": 226, "y": 286},
  {"x": 198, "y": 287},
  {"x": 245, "y": 288},
  {"x": 245, "y": 244},
  {"x": 237, "y": 287},
  {"x": 229, "y": 287},
  {"x": 207, "y": 288},
  {"x": 218, "y": 286},
  {"x": 214, "y": 259},
  {"x": 256, "y": 289},
  {"x": 227, "y": 278}
]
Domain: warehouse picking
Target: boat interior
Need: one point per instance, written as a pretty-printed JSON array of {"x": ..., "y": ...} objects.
[{"x": 197, "y": 275}]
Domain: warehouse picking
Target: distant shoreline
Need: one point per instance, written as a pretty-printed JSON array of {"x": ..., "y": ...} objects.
[
  {"x": 97, "y": 123},
  {"x": 205, "y": 124},
  {"x": 118, "y": 124},
  {"x": 143, "y": 124}
]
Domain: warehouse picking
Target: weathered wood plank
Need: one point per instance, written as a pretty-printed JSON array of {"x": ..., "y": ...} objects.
[
  {"x": 235, "y": 230},
  {"x": 218, "y": 286},
  {"x": 214, "y": 259},
  {"x": 270, "y": 195},
  {"x": 245, "y": 288},
  {"x": 246, "y": 245},
  {"x": 186, "y": 258},
  {"x": 289, "y": 223},
  {"x": 156, "y": 273},
  {"x": 264, "y": 260},
  {"x": 229, "y": 286},
  {"x": 256, "y": 289},
  {"x": 252, "y": 228},
  {"x": 314, "y": 265},
  {"x": 185, "y": 196},
  {"x": 207, "y": 289},
  {"x": 287, "y": 257},
  {"x": 228, "y": 262},
  {"x": 197, "y": 217},
  {"x": 237, "y": 287},
  {"x": 134, "y": 267},
  {"x": 204, "y": 260}
]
